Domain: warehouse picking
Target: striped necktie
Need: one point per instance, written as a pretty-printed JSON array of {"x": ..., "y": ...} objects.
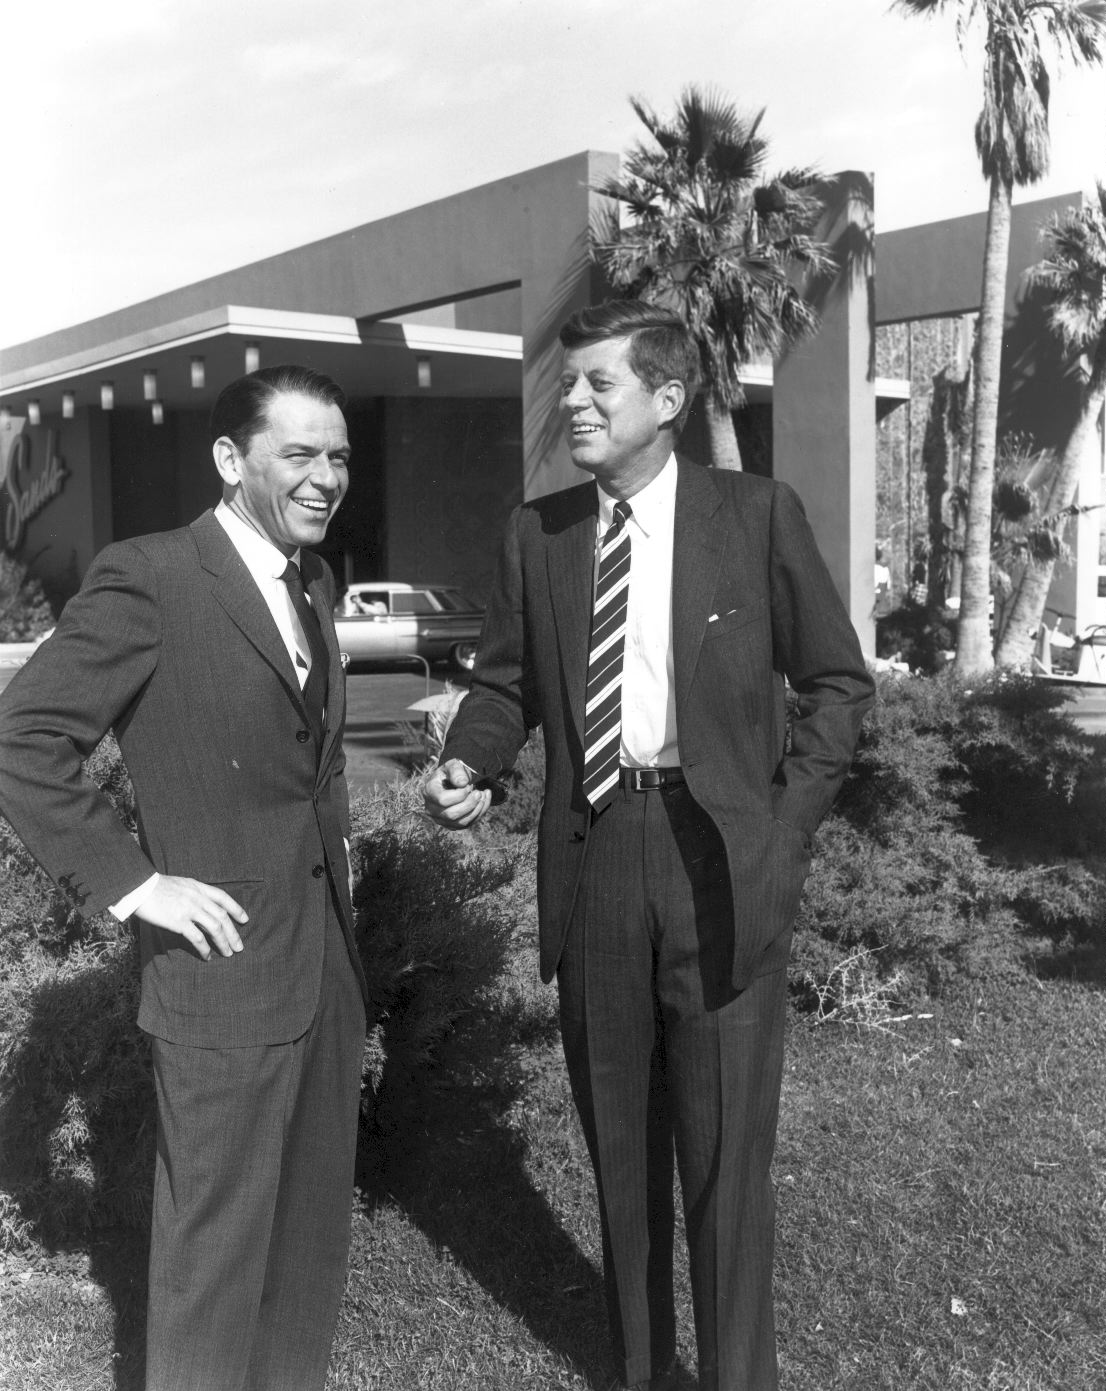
[
  {"x": 603, "y": 708},
  {"x": 314, "y": 690}
]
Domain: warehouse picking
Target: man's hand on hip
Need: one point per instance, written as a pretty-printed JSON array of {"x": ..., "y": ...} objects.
[
  {"x": 451, "y": 797},
  {"x": 197, "y": 911}
]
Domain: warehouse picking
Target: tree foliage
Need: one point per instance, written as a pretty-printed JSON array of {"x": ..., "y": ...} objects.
[
  {"x": 699, "y": 227},
  {"x": 1012, "y": 141},
  {"x": 1073, "y": 278}
]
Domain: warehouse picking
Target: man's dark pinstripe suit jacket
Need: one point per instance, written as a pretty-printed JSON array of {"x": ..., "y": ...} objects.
[
  {"x": 752, "y": 602},
  {"x": 170, "y": 642}
]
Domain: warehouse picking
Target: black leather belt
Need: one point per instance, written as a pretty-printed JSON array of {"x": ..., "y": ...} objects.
[{"x": 650, "y": 779}]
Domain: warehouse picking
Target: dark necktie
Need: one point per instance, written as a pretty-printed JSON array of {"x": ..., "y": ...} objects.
[
  {"x": 603, "y": 708},
  {"x": 314, "y": 688}
]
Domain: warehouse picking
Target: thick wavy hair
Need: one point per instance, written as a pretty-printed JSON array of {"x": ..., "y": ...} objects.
[
  {"x": 661, "y": 348},
  {"x": 242, "y": 409}
]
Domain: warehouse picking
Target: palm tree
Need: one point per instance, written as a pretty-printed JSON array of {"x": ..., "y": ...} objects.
[
  {"x": 1011, "y": 136},
  {"x": 1073, "y": 275},
  {"x": 704, "y": 234}
]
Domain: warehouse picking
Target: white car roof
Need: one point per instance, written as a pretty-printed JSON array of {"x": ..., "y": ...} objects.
[{"x": 397, "y": 586}]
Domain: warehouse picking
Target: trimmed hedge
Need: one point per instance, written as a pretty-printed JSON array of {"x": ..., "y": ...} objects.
[{"x": 24, "y": 610}]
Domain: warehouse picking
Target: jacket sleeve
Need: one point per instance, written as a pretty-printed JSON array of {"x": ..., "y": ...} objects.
[
  {"x": 76, "y": 686},
  {"x": 816, "y": 648},
  {"x": 495, "y": 718}
]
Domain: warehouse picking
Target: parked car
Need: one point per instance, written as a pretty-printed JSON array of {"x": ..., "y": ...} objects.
[{"x": 383, "y": 621}]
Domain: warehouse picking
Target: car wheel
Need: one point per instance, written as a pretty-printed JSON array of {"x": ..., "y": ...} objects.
[{"x": 463, "y": 655}]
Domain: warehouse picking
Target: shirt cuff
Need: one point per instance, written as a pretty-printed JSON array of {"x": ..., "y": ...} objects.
[{"x": 134, "y": 900}]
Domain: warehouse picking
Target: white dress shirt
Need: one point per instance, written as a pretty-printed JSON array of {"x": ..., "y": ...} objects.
[
  {"x": 266, "y": 564},
  {"x": 648, "y": 688}
]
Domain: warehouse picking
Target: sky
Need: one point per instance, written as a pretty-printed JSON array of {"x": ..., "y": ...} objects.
[{"x": 152, "y": 143}]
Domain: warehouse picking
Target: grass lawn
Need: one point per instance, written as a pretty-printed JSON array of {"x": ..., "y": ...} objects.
[{"x": 942, "y": 1217}]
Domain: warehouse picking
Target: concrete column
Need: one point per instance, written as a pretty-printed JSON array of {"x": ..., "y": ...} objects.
[
  {"x": 1076, "y": 586},
  {"x": 824, "y": 410}
]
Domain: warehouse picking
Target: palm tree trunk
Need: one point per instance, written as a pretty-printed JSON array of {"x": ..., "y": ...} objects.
[
  {"x": 724, "y": 452},
  {"x": 973, "y": 648},
  {"x": 1016, "y": 646}
]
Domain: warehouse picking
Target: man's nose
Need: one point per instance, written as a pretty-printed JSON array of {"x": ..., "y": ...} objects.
[
  {"x": 575, "y": 397},
  {"x": 324, "y": 475}
]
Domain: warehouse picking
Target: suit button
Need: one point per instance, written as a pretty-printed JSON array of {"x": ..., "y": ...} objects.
[
  {"x": 302, "y": 736},
  {"x": 317, "y": 872}
]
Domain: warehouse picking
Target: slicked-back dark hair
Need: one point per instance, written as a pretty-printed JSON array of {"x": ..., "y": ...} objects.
[
  {"x": 661, "y": 349},
  {"x": 242, "y": 409}
]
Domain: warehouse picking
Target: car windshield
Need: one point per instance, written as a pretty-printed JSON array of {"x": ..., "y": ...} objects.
[{"x": 453, "y": 601}]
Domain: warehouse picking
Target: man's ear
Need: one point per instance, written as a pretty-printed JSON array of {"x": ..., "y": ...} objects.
[
  {"x": 226, "y": 460},
  {"x": 670, "y": 402}
]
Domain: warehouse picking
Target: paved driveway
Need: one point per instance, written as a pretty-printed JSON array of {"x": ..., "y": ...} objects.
[{"x": 375, "y": 705}]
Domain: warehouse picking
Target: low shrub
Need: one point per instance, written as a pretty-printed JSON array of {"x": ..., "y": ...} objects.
[
  {"x": 519, "y": 814},
  {"x": 25, "y": 613},
  {"x": 929, "y": 859},
  {"x": 434, "y": 924},
  {"x": 918, "y": 635}
]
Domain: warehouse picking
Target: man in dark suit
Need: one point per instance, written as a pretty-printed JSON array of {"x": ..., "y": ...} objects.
[
  {"x": 647, "y": 625},
  {"x": 211, "y": 652}
]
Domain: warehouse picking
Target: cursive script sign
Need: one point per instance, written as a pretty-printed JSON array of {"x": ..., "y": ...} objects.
[{"x": 27, "y": 491}]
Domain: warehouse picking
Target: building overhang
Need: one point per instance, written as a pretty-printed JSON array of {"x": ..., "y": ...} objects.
[{"x": 366, "y": 358}]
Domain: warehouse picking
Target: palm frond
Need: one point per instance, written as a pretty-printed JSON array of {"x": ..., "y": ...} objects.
[{"x": 696, "y": 225}]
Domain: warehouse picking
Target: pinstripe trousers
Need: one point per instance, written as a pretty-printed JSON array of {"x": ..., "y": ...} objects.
[
  {"x": 253, "y": 1193},
  {"x": 663, "y": 1056}
]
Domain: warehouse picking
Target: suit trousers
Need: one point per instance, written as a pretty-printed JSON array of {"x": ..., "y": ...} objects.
[
  {"x": 661, "y": 1052},
  {"x": 253, "y": 1192}
]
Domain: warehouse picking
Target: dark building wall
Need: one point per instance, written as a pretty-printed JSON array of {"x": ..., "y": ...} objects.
[
  {"x": 753, "y": 424},
  {"x": 354, "y": 545},
  {"x": 197, "y": 482},
  {"x": 162, "y": 476},
  {"x": 452, "y": 477}
]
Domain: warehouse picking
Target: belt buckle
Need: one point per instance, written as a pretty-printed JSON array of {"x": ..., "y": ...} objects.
[{"x": 648, "y": 779}]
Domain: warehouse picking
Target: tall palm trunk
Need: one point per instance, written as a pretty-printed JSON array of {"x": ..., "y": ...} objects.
[
  {"x": 973, "y": 649},
  {"x": 1017, "y": 642},
  {"x": 724, "y": 452}
]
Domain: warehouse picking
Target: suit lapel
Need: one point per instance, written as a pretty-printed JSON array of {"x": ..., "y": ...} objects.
[
  {"x": 698, "y": 545},
  {"x": 570, "y": 560},
  {"x": 235, "y": 589}
]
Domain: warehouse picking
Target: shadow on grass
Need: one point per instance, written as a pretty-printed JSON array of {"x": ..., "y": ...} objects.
[
  {"x": 77, "y": 1119},
  {"x": 449, "y": 1158}
]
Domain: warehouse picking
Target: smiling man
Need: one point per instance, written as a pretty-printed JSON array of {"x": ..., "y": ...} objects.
[
  {"x": 646, "y": 620},
  {"x": 211, "y": 653}
]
